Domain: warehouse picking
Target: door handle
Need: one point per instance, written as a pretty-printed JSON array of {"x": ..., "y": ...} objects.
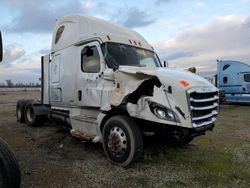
[{"x": 79, "y": 95}]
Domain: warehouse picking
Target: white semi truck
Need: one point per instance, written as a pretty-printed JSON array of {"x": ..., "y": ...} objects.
[{"x": 107, "y": 84}]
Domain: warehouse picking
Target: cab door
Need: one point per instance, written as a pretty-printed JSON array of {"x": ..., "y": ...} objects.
[{"x": 90, "y": 75}]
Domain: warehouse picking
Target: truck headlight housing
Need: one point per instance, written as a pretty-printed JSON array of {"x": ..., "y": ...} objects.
[{"x": 163, "y": 112}]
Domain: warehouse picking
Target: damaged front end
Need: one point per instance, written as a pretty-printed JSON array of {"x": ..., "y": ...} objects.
[
  {"x": 142, "y": 95},
  {"x": 159, "y": 99}
]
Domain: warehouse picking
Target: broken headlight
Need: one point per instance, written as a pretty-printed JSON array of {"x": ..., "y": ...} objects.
[{"x": 163, "y": 112}]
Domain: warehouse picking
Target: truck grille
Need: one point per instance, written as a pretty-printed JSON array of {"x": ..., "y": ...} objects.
[{"x": 203, "y": 105}]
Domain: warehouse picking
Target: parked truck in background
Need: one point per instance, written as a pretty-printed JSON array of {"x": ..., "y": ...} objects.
[
  {"x": 106, "y": 84},
  {"x": 233, "y": 79},
  {"x": 10, "y": 176}
]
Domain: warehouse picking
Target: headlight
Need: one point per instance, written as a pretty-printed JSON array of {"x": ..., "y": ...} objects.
[{"x": 163, "y": 112}]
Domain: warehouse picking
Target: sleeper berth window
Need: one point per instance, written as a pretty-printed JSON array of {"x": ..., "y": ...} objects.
[{"x": 59, "y": 33}]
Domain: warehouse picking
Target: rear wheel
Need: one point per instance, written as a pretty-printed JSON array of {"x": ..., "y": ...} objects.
[
  {"x": 31, "y": 119},
  {"x": 122, "y": 140},
  {"x": 20, "y": 107},
  {"x": 9, "y": 168}
]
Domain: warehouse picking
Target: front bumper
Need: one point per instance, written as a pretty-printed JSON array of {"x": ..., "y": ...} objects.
[{"x": 165, "y": 129}]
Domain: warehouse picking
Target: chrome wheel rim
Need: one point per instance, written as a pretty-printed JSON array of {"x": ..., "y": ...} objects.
[
  {"x": 30, "y": 114},
  {"x": 117, "y": 142},
  {"x": 19, "y": 113}
]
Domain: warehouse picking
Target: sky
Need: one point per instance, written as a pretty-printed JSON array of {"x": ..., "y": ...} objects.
[{"x": 185, "y": 33}]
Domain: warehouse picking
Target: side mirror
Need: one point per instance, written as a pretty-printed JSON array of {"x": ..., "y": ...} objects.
[
  {"x": 192, "y": 70},
  {"x": 87, "y": 51},
  {"x": 1, "y": 47},
  {"x": 165, "y": 64}
]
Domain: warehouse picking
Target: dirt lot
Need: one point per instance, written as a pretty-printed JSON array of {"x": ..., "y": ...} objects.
[{"x": 50, "y": 157}]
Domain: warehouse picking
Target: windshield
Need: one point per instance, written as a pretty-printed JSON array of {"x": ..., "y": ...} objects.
[{"x": 120, "y": 54}]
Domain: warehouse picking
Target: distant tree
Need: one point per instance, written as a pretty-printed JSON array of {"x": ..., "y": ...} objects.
[
  {"x": 2, "y": 84},
  {"x": 9, "y": 83}
]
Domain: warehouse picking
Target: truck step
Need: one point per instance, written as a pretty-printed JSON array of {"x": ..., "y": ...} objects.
[{"x": 85, "y": 136}]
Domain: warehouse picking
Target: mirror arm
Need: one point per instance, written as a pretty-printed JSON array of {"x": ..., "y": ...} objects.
[{"x": 1, "y": 47}]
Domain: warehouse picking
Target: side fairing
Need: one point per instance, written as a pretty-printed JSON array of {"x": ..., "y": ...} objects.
[{"x": 63, "y": 77}]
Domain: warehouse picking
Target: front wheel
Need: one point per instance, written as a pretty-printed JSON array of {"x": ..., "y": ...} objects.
[{"x": 122, "y": 140}]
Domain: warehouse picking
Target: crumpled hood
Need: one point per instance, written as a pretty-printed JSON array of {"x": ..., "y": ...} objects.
[
  {"x": 132, "y": 82},
  {"x": 168, "y": 76}
]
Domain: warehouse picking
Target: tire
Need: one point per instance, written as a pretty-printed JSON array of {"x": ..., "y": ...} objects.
[
  {"x": 31, "y": 119},
  {"x": 10, "y": 176},
  {"x": 20, "y": 107},
  {"x": 122, "y": 140}
]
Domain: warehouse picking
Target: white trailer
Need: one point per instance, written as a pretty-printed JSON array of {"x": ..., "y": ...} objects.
[{"x": 107, "y": 84}]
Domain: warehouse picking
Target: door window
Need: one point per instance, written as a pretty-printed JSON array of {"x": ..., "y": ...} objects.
[
  {"x": 90, "y": 60},
  {"x": 225, "y": 80}
]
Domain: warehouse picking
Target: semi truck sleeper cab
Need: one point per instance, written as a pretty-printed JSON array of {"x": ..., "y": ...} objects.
[{"x": 106, "y": 84}]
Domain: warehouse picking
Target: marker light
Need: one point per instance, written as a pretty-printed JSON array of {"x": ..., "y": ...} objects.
[{"x": 184, "y": 83}]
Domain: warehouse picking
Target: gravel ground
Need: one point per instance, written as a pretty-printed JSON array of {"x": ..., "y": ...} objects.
[{"x": 50, "y": 157}]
